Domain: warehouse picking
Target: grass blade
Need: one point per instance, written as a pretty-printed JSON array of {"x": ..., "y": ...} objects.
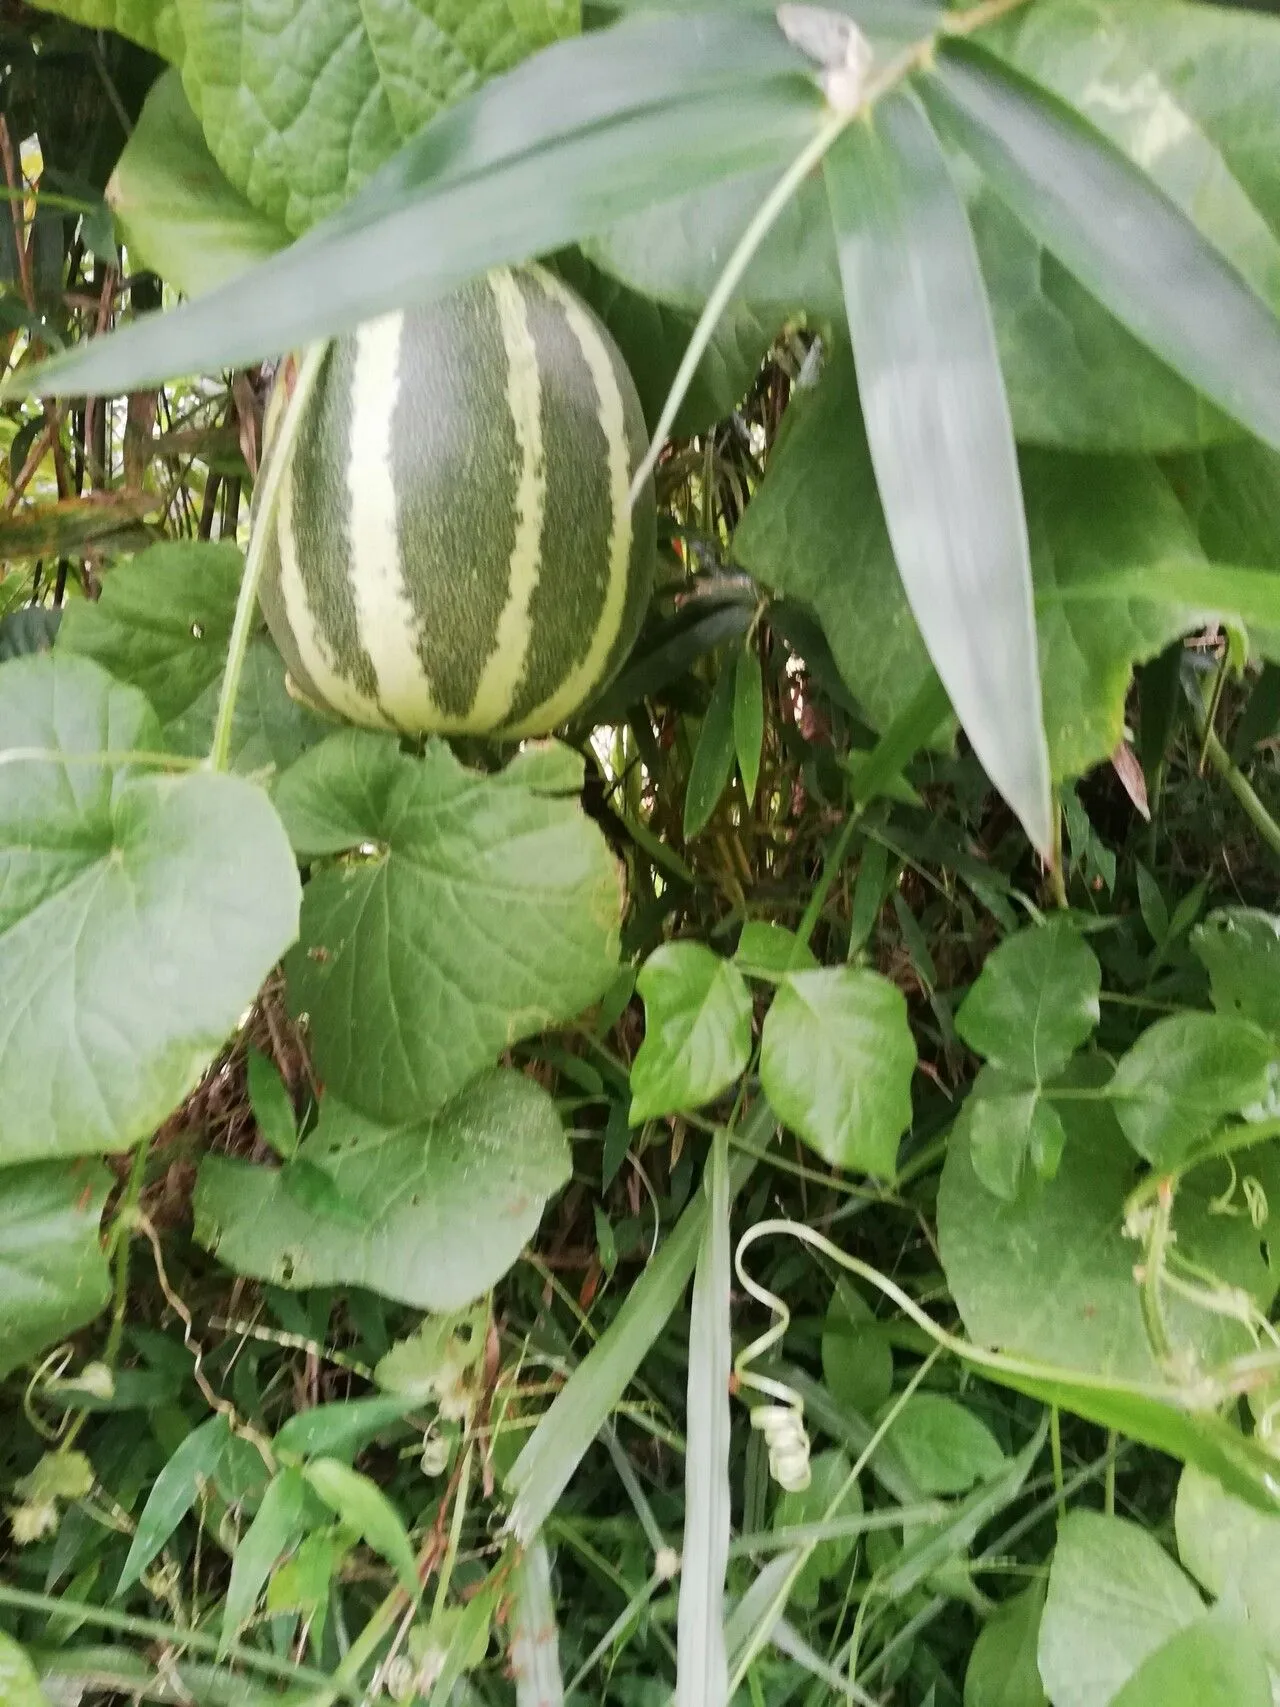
[
  {"x": 582, "y": 1407},
  {"x": 583, "y": 134},
  {"x": 941, "y": 438},
  {"x": 702, "y": 1667},
  {"x": 535, "y": 1643},
  {"x": 1116, "y": 232}
]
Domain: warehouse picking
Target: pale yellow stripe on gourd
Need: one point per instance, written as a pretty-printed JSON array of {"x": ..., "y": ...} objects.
[
  {"x": 334, "y": 688},
  {"x": 504, "y": 669},
  {"x": 611, "y": 412},
  {"x": 385, "y": 616}
]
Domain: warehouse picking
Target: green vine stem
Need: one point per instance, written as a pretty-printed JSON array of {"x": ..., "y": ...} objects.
[
  {"x": 1196, "y": 1396},
  {"x": 267, "y": 501},
  {"x": 174, "y": 1639},
  {"x": 1240, "y": 786}
]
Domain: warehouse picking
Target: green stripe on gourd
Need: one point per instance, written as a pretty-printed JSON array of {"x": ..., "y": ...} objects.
[{"x": 453, "y": 549}]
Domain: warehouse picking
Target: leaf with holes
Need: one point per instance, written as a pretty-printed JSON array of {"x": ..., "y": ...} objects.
[
  {"x": 1239, "y": 948},
  {"x": 470, "y": 911},
  {"x": 139, "y": 914},
  {"x": 441, "y": 1207}
]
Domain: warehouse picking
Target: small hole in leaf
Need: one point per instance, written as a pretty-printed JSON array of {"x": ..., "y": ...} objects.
[
  {"x": 197, "y": 631},
  {"x": 287, "y": 1268}
]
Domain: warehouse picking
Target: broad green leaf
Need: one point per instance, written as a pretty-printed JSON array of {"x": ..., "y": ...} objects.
[
  {"x": 582, "y": 134},
  {"x": 653, "y": 338},
  {"x": 1239, "y": 948},
  {"x": 1077, "y": 379},
  {"x": 697, "y": 1036},
  {"x": 857, "y": 1358},
  {"x": 272, "y": 1105},
  {"x": 944, "y": 1448},
  {"x": 140, "y": 914},
  {"x": 443, "y": 1205},
  {"x": 1050, "y": 1275},
  {"x": 815, "y": 531},
  {"x": 276, "y": 1527},
  {"x": 713, "y": 757},
  {"x": 480, "y": 910},
  {"x": 1035, "y": 1001},
  {"x": 748, "y": 718},
  {"x": 1115, "y": 1596},
  {"x": 702, "y": 1678},
  {"x": 1183, "y": 1075},
  {"x": 153, "y": 24},
  {"x": 1008, "y": 1127},
  {"x": 343, "y": 1426},
  {"x": 1210, "y": 1665},
  {"x": 1233, "y": 1551},
  {"x": 1105, "y": 61},
  {"x": 836, "y": 1060},
  {"x": 941, "y": 438},
  {"x": 53, "y": 1275},
  {"x": 371, "y": 78},
  {"x": 819, "y": 1503},
  {"x": 1116, "y": 231},
  {"x": 174, "y": 208},
  {"x": 162, "y": 624},
  {"x": 19, "y": 1685},
  {"x": 768, "y": 950},
  {"x": 1107, "y": 541},
  {"x": 173, "y": 1493},
  {"x": 362, "y": 1506},
  {"x": 1002, "y": 1669},
  {"x": 1106, "y": 546}
]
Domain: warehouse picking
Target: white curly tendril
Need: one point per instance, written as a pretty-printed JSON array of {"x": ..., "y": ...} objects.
[{"x": 781, "y": 1422}]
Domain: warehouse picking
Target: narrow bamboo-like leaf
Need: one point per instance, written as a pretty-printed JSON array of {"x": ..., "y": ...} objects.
[
  {"x": 702, "y": 1667},
  {"x": 1120, "y": 235},
  {"x": 941, "y": 438},
  {"x": 535, "y": 1643},
  {"x": 275, "y": 1528},
  {"x": 173, "y": 1493},
  {"x": 748, "y": 718},
  {"x": 362, "y": 1505},
  {"x": 575, "y": 139},
  {"x": 712, "y": 757},
  {"x": 342, "y": 1427}
]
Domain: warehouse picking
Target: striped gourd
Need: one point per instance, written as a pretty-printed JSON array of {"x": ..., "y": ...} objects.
[{"x": 453, "y": 549}]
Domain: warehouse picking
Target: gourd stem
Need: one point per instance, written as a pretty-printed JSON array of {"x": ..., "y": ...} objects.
[{"x": 271, "y": 480}]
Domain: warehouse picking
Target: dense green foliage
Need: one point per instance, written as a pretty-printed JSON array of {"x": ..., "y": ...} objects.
[{"x": 766, "y": 1195}]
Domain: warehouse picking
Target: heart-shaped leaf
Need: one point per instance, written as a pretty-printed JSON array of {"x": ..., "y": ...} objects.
[
  {"x": 836, "y": 1059},
  {"x": 139, "y": 914},
  {"x": 444, "y": 1205},
  {"x": 479, "y": 910}
]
